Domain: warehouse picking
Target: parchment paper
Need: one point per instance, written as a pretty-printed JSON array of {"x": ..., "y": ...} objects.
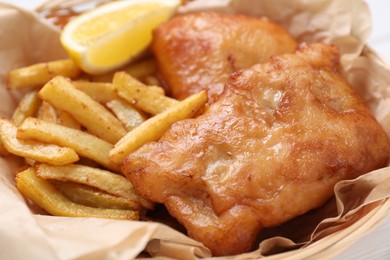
[{"x": 359, "y": 205}]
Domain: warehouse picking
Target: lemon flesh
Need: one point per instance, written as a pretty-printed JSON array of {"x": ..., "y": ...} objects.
[
  {"x": 111, "y": 35},
  {"x": 128, "y": 44}
]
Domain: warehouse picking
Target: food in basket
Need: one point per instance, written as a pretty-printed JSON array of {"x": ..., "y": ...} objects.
[
  {"x": 46, "y": 196},
  {"x": 126, "y": 97},
  {"x": 273, "y": 146},
  {"x": 64, "y": 121},
  {"x": 199, "y": 51}
]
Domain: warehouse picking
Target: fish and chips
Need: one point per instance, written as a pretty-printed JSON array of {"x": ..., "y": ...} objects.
[{"x": 231, "y": 124}]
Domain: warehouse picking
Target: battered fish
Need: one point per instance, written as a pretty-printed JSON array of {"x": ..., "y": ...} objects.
[
  {"x": 270, "y": 149},
  {"x": 200, "y": 51}
]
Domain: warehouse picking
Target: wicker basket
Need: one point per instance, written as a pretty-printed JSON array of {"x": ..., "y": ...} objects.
[{"x": 59, "y": 12}]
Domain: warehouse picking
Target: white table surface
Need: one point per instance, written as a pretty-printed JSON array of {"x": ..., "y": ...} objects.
[{"x": 376, "y": 244}]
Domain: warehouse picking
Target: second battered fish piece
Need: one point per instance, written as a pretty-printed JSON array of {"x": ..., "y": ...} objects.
[
  {"x": 270, "y": 149},
  {"x": 199, "y": 51}
]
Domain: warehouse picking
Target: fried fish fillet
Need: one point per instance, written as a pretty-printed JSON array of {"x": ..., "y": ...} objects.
[
  {"x": 199, "y": 51},
  {"x": 270, "y": 149}
]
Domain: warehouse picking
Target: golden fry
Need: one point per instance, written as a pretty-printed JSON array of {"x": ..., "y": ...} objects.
[
  {"x": 153, "y": 128},
  {"x": 41, "y": 152},
  {"x": 38, "y": 74},
  {"x": 151, "y": 81},
  {"x": 28, "y": 106},
  {"x": 92, "y": 197},
  {"x": 137, "y": 70},
  {"x": 46, "y": 196},
  {"x": 84, "y": 144},
  {"x": 141, "y": 96},
  {"x": 65, "y": 119},
  {"x": 142, "y": 68},
  {"x": 47, "y": 112},
  {"x": 61, "y": 93},
  {"x": 157, "y": 90},
  {"x": 104, "y": 92},
  {"x": 104, "y": 180},
  {"x": 99, "y": 91},
  {"x": 126, "y": 113}
]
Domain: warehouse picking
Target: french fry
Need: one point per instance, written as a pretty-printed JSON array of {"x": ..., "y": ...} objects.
[
  {"x": 104, "y": 180},
  {"x": 127, "y": 114},
  {"x": 137, "y": 70},
  {"x": 88, "y": 162},
  {"x": 151, "y": 81},
  {"x": 28, "y": 106},
  {"x": 41, "y": 152},
  {"x": 47, "y": 112},
  {"x": 157, "y": 90},
  {"x": 104, "y": 92},
  {"x": 38, "y": 74},
  {"x": 61, "y": 93},
  {"x": 142, "y": 68},
  {"x": 140, "y": 95},
  {"x": 47, "y": 197},
  {"x": 91, "y": 197},
  {"x": 100, "y": 91},
  {"x": 65, "y": 119},
  {"x": 84, "y": 144},
  {"x": 153, "y": 128}
]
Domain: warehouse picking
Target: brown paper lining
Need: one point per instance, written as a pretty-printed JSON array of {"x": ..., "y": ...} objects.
[{"x": 358, "y": 206}]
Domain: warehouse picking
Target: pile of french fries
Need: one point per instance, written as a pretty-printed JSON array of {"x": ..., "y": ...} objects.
[{"x": 74, "y": 131}]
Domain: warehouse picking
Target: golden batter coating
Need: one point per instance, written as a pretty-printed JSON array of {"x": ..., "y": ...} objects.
[
  {"x": 270, "y": 149},
  {"x": 200, "y": 51}
]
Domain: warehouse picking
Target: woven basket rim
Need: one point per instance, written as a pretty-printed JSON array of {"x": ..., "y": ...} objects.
[{"x": 48, "y": 4}]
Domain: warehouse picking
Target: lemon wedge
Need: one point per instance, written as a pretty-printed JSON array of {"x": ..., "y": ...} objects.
[{"x": 111, "y": 35}]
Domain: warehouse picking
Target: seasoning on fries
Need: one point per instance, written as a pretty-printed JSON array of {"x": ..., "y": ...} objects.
[
  {"x": 38, "y": 151},
  {"x": 28, "y": 106},
  {"x": 155, "y": 127},
  {"x": 126, "y": 113},
  {"x": 102, "y": 92},
  {"x": 46, "y": 196},
  {"x": 65, "y": 119},
  {"x": 91, "y": 123},
  {"x": 47, "y": 112},
  {"x": 38, "y": 74},
  {"x": 141, "y": 70},
  {"x": 73, "y": 129},
  {"x": 106, "y": 181},
  {"x": 85, "y": 144},
  {"x": 92, "y": 197},
  {"x": 141, "y": 96},
  {"x": 61, "y": 93}
]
